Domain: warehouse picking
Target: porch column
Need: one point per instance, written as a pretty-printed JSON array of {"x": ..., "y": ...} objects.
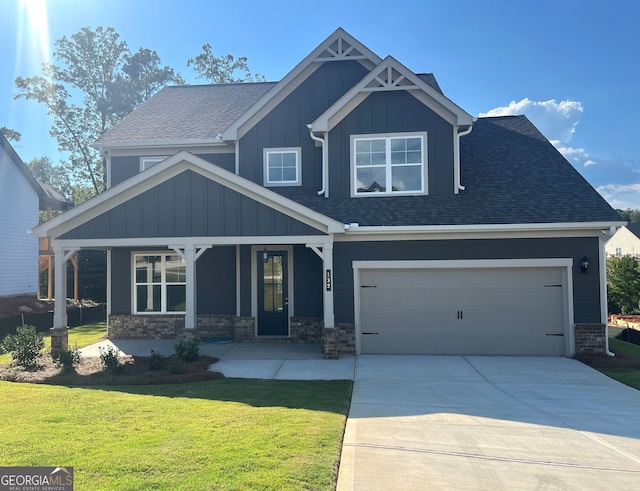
[
  {"x": 190, "y": 301},
  {"x": 60, "y": 274},
  {"x": 327, "y": 262}
]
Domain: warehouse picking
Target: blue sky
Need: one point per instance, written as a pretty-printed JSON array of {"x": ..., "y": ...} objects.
[{"x": 570, "y": 65}]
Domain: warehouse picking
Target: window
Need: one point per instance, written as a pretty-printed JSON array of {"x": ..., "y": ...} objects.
[
  {"x": 160, "y": 283},
  {"x": 393, "y": 164},
  {"x": 146, "y": 162},
  {"x": 618, "y": 251},
  {"x": 282, "y": 167}
]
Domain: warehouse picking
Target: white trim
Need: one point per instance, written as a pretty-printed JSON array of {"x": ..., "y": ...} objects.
[
  {"x": 109, "y": 284},
  {"x": 254, "y": 282},
  {"x": 107, "y": 159},
  {"x": 156, "y": 159},
  {"x": 294, "y": 78},
  {"x": 389, "y": 166},
  {"x": 138, "y": 145},
  {"x": 238, "y": 279},
  {"x": 565, "y": 263},
  {"x": 163, "y": 284},
  {"x": 426, "y": 94},
  {"x": 172, "y": 167},
  {"x": 297, "y": 151}
]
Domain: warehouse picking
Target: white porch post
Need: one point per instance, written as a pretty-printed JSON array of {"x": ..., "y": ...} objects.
[
  {"x": 327, "y": 261},
  {"x": 60, "y": 293},
  {"x": 190, "y": 302}
]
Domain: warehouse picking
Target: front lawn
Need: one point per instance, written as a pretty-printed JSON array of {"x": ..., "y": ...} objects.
[
  {"x": 627, "y": 375},
  {"x": 221, "y": 434},
  {"x": 83, "y": 335}
]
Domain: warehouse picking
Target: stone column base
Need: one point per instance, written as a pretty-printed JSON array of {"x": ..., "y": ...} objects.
[
  {"x": 59, "y": 340},
  {"x": 590, "y": 338}
]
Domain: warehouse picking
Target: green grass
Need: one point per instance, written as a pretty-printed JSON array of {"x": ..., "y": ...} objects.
[
  {"x": 628, "y": 376},
  {"x": 223, "y": 434},
  {"x": 83, "y": 335}
]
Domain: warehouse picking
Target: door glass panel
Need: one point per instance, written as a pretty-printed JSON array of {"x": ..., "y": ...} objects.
[{"x": 273, "y": 283}]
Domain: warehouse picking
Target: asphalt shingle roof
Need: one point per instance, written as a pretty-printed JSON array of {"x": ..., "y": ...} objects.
[
  {"x": 634, "y": 228},
  {"x": 187, "y": 112},
  {"x": 512, "y": 174}
]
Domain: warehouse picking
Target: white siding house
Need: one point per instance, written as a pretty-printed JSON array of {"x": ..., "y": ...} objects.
[
  {"x": 625, "y": 242},
  {"x": 19, "y": 204}
]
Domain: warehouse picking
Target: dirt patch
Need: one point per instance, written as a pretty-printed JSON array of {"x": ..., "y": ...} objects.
[
  {"x": 601, "y": 360},
  {"x": 21, "y": 304},
  {"x": 133, "y": 370}
]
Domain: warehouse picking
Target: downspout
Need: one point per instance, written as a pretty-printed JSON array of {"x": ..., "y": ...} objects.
[
  {"x": 458, "y": 185},
  {"x": 604, "y": 296},
  {"x": 325, "y": 160}
]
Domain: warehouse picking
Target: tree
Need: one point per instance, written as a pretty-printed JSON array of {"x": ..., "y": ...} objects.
[
  {"x": 9, "y": 134},
  {"x": 99, "y": 67},
  {"x": 623, "y": 284},
  {"x": 43, "y": 169},
  {"x": 631, "y": 216},
  {"x": 223, "y": 70}
]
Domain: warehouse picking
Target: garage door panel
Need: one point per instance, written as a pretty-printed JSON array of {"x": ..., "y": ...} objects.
[{"x": 457, "y": 311}]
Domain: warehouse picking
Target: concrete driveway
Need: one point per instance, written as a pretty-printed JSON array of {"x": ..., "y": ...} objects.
[{"x": 475, "y": 423}]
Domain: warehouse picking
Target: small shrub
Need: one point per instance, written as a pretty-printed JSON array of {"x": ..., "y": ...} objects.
[
  {"x": 68, "y": 358},
  {"x": 187, "y": 351},
  {"x": 109, "y": 359},
  {"x": 24, "y": 346},
  {"x": 176, "y": 365},
  {"x": 157, "y": 361}
]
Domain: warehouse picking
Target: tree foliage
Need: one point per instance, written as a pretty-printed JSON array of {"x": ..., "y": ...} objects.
[
  {"x": 631, "y": 216},
  {"x": 224, "y": 69},
  {"x": 98, "y": 67},
  {"x": 623, "y": 284},
  {"x": 9, "y": 134}
]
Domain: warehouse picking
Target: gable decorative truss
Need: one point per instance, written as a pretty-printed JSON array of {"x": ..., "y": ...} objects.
[
  {"x": 171, "y": 167},
  {"x": 391, "y": 75},
  {"x": 339, "y": 46}
]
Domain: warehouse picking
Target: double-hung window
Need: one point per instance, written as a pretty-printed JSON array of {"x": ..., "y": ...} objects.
[
  {"x": 282, "y": 166},
  {"x": 160, "y": 283},
  {"x": 389, "y": 164}
]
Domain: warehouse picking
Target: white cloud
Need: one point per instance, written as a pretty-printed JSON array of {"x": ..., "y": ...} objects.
[
  {"x": 556, "y": 120},
  {"x": 621, "y": 195}
]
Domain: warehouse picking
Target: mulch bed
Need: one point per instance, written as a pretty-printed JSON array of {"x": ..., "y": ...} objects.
[
  {"x": 133, "y": 370},
  {"x": 601, "y": 360}
]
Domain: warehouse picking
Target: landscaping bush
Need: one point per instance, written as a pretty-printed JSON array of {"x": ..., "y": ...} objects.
[
  {"x": 24, "y": 346},
  {"x": 109, "y": 359},
  {"x": 187, "y": 351},
  {"x": 67, "y": 359},
  {"x": 157, "y": 361}
]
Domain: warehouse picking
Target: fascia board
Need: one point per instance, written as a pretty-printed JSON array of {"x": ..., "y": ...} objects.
[
  {"x": 157, "y": 144},
  {"x": 167, "y": 169},
  {"x": 510, "y": 227},
  {"x": 291, "y": 81},
  {"x": 343, "y": 106}
]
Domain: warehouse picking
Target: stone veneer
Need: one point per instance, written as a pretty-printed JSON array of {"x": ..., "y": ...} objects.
[{"x": 590, "y": 338}]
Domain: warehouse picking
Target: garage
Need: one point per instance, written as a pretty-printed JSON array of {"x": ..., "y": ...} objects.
[{"x": 471, "y": 310}]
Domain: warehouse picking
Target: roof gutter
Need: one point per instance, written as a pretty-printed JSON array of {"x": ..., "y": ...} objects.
[{"x": 325, "y": 161}]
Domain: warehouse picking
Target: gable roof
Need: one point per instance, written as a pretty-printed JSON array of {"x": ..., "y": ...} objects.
[
  {"x": 512, "y": 175},
  {"x": 168, "y": 169},
  {"x": 634, "y": 228},
  {"x": 388, "y": 75},
  {"x": 47, "y": 196},
  {"x": 187, "y": 114}
]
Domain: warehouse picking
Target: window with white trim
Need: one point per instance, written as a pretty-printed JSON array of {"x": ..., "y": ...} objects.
[
  {"x": 618, "y": 251},
  {"x": 282, "y": 166},
  {"x": 389, "y": 164},
  {"x": 159, "y": 283},
  {"x": 146, "y": 162}
]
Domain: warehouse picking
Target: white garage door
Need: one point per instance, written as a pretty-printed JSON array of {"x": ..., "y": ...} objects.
[{"x": 506, "y": 311}]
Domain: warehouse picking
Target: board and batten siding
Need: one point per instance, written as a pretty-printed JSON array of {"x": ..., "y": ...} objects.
[
  {"x": 385, "y": 113},
  {"x": 189, "y": 205},
  {"x": 19, "y": 203},
  {"x": 286, "y": 124},
  {"x": 586, "y": 286}
]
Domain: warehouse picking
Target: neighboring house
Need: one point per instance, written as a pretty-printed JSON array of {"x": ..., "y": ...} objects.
[
  {"x": 352, "y": 203},
  {"x": 625, "y": 242},
  {"x": 21, "y": 196}
]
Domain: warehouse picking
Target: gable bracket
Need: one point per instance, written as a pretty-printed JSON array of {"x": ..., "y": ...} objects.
[{"x": 316, "y": 248}]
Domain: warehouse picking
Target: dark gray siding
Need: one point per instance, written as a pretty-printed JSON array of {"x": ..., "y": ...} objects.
[
  {"x": 121, "y": 279},
  {"x": 392, "y": 112},
  {"x": 245, "y": 280},
  {"x": 123, "y": 168},
  {"x": 586, "y": 287},
  {"x": 189, "y": 205},
  {"x": 216, "y": 281},
  {"x": 286, "y": 124},
  {"x": 308, "y": 281}
]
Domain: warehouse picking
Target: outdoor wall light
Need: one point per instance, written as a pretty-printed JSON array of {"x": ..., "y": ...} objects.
[
  {"x": 265, "y": 256},
  {"x": 584, "y": 264}
]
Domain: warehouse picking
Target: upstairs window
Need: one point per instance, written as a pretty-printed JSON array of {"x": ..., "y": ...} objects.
[
  {"x": 282, "y": 166},
  {"x": 389, "y": 164},
  {"x": 146, "y": 162}
]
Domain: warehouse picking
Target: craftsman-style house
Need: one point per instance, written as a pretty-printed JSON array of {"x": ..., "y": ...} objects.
[{"x": 350, "y": 204}]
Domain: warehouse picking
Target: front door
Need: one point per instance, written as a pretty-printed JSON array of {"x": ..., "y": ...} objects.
[{"x": 273, "y": 301}]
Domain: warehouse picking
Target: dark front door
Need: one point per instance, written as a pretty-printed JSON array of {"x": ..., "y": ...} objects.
[{"x": 273, "y": 310}]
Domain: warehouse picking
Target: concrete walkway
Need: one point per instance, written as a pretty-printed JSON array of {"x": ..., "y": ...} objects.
[
  {"x": 488, "y": 423},
  {"x": 248, "y": 360}
]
